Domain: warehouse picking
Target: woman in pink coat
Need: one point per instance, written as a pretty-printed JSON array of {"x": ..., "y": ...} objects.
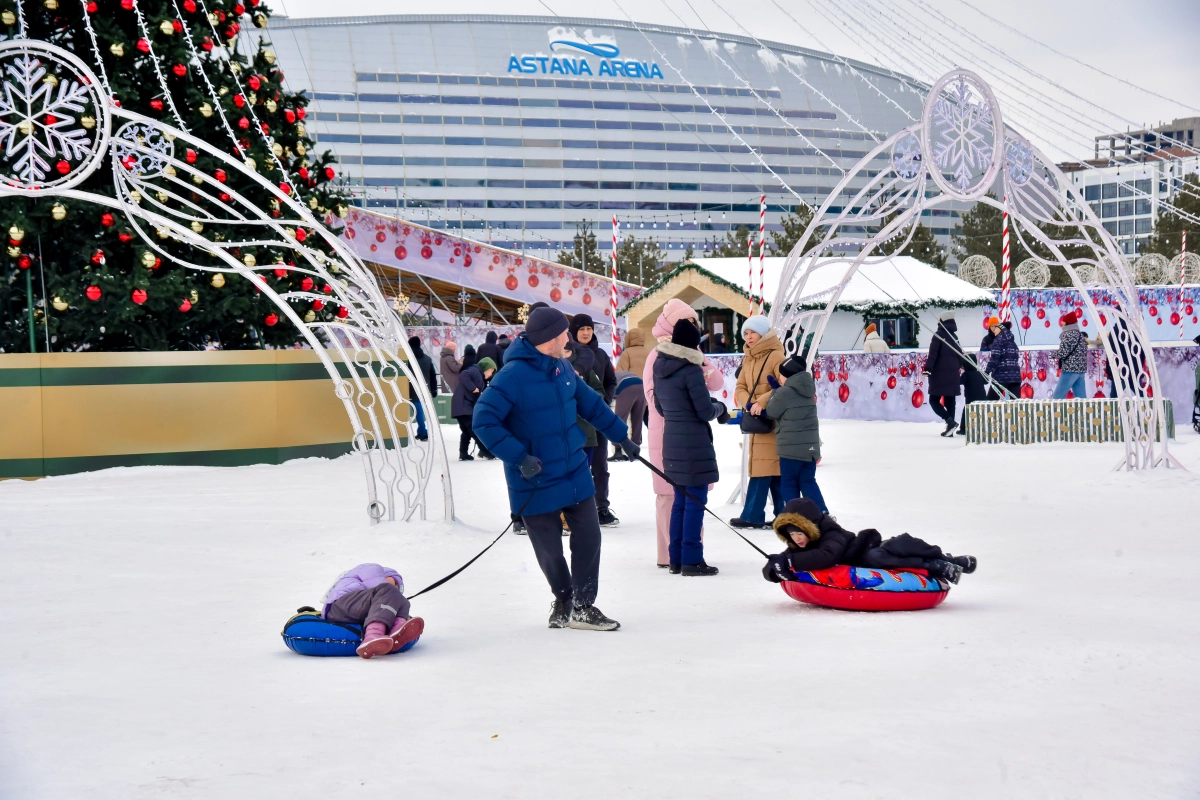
[{"x": 674, "y": 311}]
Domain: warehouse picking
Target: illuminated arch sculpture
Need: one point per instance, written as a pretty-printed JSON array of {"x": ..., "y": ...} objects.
[
  {"x": 960, "y": 150},
  {"x": 167, "y": 199}
]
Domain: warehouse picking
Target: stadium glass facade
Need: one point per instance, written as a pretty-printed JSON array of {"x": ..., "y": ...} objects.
[{"x": 518, "y": 129}]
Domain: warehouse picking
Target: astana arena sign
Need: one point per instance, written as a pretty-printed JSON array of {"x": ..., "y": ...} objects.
[{"x": 569, "y": 56}]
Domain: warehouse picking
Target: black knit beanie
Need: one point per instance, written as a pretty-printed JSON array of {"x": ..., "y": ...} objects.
[
  {"x": 792, "y": 366},
  {"x": 545, "y": 324},
  {"x": 580, "y": 321},
  {"x": 685, "y": 334}
]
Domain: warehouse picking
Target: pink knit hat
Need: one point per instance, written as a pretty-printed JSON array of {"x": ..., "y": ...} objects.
[{"x": 674, "y": 311}]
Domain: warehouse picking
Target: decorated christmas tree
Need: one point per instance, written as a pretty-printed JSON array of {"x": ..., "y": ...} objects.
[{"x": 181, "y": 62}]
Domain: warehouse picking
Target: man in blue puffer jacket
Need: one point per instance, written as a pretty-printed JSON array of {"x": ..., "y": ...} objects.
[{"x": 527, "y": 418}]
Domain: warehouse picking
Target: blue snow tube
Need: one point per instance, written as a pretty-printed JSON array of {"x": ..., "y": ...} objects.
[{"x": 309, "y": 635}]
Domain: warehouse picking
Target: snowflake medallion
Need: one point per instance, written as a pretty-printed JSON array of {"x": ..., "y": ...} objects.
[
  {"x": 48, "y": 118},
  {"x": 1018, "y": 157},
  {"x": 906, "y": 157},
  {"x": 142, "y": 149},
  {"x": 962, "y": 134}
]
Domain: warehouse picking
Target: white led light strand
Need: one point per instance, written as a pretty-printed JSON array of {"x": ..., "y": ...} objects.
[
  {"x": 212, "y": 92},
  {"x": 162, "y": 82}
]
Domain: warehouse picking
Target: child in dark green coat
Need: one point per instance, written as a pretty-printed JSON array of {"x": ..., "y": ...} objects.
[{"x": 793, "y": 406}]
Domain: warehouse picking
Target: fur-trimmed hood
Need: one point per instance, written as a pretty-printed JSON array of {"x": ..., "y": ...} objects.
[
  {"x": 679, "y": 351},
  {"x": 804, "y": 514}
]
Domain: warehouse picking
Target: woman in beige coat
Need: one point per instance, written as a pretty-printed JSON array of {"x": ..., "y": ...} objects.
[{"x": 763, "y": 357}]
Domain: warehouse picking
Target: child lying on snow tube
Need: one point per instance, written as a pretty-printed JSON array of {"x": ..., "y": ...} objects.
[
  {"x": 815, "y": 541},
  {"x": 373, "y": 596}
]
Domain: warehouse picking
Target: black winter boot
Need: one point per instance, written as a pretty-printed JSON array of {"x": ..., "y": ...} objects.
[
  {"x": 968, "y": 563},
  {"x": 674, "y": 569},
  {"x": 697, "y": 570},
  {"x": 944, "y": 570},
  {"x": 560, "y": 614},
  {"x": 590, "y": 618},
  {"x": 950, "y": 426}
]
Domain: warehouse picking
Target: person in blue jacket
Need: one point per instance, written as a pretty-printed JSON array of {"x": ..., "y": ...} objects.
[{"x": 527, "y": 418}]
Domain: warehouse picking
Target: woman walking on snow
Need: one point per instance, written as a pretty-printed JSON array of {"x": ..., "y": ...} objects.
[
  {"x": 664, "y": 494},
  {"x": 764, "y": 355},
  {"x": 944, "y": 368},
  {"x": 1005, "y": 363},
  {"x": 471, "y": 383},
  {"x": 689, "y": 458},
  {"x": 1072, "y": 360}
]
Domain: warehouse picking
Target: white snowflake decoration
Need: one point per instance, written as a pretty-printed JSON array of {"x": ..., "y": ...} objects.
[
  {"x": 142, "y": 149},
  {"x": 962, "y": 131},
  {"x": 1019, "y": 161},
  {"x": 906, "y": 157},
  {"x": 43, "y": 101}
]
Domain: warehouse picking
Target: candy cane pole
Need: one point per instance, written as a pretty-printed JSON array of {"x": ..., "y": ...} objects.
[
  {"x": 1005, "y": 311},
  {"x": 612, "y": 297},
  {"x": 762, "y": 250},
  {"x": 750, "y": 270},
  {"x": 1182, "y": 280}
]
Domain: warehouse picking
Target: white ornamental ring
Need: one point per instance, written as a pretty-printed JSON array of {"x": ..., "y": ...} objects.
[
  {"x": 29, "y": 61},
  {"x": 980, "y": 187},
  {"x": 906, "y": 157},
  {"x": 142, "y": 149}
]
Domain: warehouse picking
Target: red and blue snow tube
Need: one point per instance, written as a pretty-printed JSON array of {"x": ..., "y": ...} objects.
[{"x": 867, "y": 589}]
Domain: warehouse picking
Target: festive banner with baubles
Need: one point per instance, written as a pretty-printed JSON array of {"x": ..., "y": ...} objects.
[
  {"x": 1037, "y": 313},
  {"x": 479, "y": 266}
]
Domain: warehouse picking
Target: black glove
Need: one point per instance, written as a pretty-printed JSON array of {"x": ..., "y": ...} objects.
[
  {"x": 723, "y": 414},
  {"x": 778, "y": 569},
  {"x": 530, "y": 466},
  {"x": 631, "y": 449}
]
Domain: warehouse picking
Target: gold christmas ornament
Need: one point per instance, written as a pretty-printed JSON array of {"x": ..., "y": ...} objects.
[
  {"x": 249, "y": 260},
  {"x": 300, "y": 131},
  {"x": 135, "y": 196},
  {"x": 14, "y": 251},
  {"x": 250, "y": 162},
  {"x": 170, "y": 171},
  {"x": 59, "y": 304},
  {"x": 166, "y": 27},
  {"x": 252, "y": 97},
  {"x": 213, "y": 18},
  {"x": 290, "y": 232},
  {"x": 235, "y": 67},
  {"x": 16, "y": 234},
  {"x": 25, "y": 127},
  {"x": 162, "y": 197},
  {"x": 224, "y": 90},
  {"x": 50, "y": 5},
  {"x": 197, "y": 226},
  {"x": 271, "y": 106},
  {"x": 218, "y": 280},
  {"x": 50, "y": 80},
  {"x": 87, "y": 121},
  {"x": 197, "y": 178},
  {"x": 301, "y": 149},
  {"x": 277, "y": 149},
  {"x": 269, "y": 56},
  {"x": 342, "y": 211},
  {"x": 8, "y": 18},
  {"x": 194, "y": 297},
  {"x": 117, "y": 49},
  {"x": 148, "y": 259},
  {"x": 59, "y": 212},
  {"x": 206, "y": 110},
  {"x": 312, "y": 202},
  {"x": 163, "y": 233},
  {"x": 260, "y": 20},
  {"x": 310, "y": 315}
]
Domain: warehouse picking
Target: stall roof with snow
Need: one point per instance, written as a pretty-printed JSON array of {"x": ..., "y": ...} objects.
[{"x": 895, "y": 287}]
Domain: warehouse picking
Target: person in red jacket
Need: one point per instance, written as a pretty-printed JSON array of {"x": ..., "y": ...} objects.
[{"x": 815, "y": 541}]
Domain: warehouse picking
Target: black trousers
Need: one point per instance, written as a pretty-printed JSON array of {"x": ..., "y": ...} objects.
[
  {"x": 946, "y": 412},
  {"x": 581, "y": 582},
  {"x": 902, "y": 551},
  {"x": 600, "y": 472},
  {"x": 465, "y": 435}
]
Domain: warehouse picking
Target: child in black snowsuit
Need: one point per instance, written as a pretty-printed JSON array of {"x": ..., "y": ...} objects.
[
  {"x": 815, "y": 541},
  {"x": 974, "y": 387}
]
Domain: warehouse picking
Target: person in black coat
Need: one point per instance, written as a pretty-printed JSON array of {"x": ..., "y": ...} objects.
[
  {"x": 469, "y": 356},
  {"x": 688, "y": 456},
  {"x": 583, "y": 331},
  {"x": 503, "y": 343},
  {"x": 815, "y": 541},
  {"x": 425, "y": 368},
  {"x": 974, "y": 388},
  {"x": 471, "y": 383},
  {"x": 942, "y": 366},
  {"x": 489, "y": 348}
]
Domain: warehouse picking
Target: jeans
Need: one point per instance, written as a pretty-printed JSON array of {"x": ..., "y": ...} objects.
[
  {"x": 756, "y": 498},
  {"x": 687, "y": 518},
  {"x": 580, "y": 583},
  {"x": 1068, "y": 381},
  {"x": 799, "y": 479},
  {"x": 421, "y": 431}
]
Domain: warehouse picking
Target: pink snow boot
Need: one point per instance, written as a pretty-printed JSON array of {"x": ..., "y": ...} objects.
[
  {"x": 405, "y": 631},
  {"x": 376, "y": 641}
]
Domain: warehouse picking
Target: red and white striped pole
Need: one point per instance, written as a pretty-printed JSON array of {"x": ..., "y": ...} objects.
[
  {"x": 1182, "y": 280},
  {"x": 612, "y": 297},
  {"x": 762, "y": 249},
  {"x": 750, "y": 269},
  {"x": 1005, "y": 311}
]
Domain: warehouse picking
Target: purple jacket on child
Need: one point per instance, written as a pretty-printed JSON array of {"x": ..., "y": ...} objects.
[{"x": 364, "y": 576}]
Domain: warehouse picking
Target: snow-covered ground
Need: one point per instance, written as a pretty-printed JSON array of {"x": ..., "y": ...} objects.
[{"x": 140, "y": 654}]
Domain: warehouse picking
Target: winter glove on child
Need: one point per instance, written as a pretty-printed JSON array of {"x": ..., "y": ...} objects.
[
  {"x": 723, "y": 414},
  {"x": 778, "y": 569},
  {"x": 774, "y": 384},
  {"x": 530, "y": 467},
  {"x": 631, "y": 449}
]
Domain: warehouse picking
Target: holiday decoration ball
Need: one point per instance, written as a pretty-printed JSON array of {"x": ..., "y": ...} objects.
[
  {"x": 401, "y": 252},
  {"x": 533, "y": 280},
  {"x": 217, "y": 281},
  {"x": 93, "y": 293},
  {"x": 1041, "y": 313},
  {"x": 426, "y": 252},
  {"x": 556, "y": 294},
  {"x": 883, "y": 395},
  {"x": 138, "y": 296},
  {"x": 891, "y": 382},
  {"x": 918, "y": 398},
  {"x": 843, "y": 393},
  {"x": 270, "y": 320},
  {"x": 511, "y": 282}
]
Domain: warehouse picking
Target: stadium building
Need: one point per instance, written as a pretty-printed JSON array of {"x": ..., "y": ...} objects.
[{"x": 518, "y": 129}]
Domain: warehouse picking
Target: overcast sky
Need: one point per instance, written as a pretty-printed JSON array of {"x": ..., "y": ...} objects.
[{"x": 1155, "y": 46}]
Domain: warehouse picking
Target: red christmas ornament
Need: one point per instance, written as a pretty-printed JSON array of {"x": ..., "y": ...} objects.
[
  {"x": 380, "y": 236},
  {"x": 220, "y": 176},
  {"x": 92, "y": 7},
  {"x": 306, "y": 284},
  {"x": 143, "y": 45},
  {"x": 832, "y": 376},
  {"x": 1041, "y": 373},
  {"x": 1187, "y": 309},
  {"x": 107, "y": 219},
  {"x": 511, "y": 282},
  {"x": 238, "y": 10},
  {"x": 327, "y": 289},
  {"x": 1175, "y": 317},
  {"x": 225, "y": 198},
  {"x": 51, "y": 119},
  {"x": 1159, "y": 320},
  {"x": 125, "y": 236},
  {"x": 138, "y": 296},
  {"x": 533, "y": 280},
  {"x": 1047, "y": 323},
  {"x": 190, "y": 156},
  {"x": 127, "y": 5},
  {"x": 239, "y": 101},
  {"x": 1026, "y": 391},
  {"x": 301, "y": 113},
  {"x": 883, "y": 395},
  {"x": 466, "y": 261},
  {"x": 232, "y": 30},
  {"x": 1154, "y": 311},
  {"x": 918, "y": 398},
  {"x": 63, "y": 167},
  {"x": 401, "y": 252},
  {"x": 1041, "y": 313},
  {"x": 289, "y": 115},
  {"x": 177, "y": 26},
  {"x": 329, "y": 173},
  {"x": 93, "y": 293},
  {"x": 185, "y": 306},
  {"x": 843, "y": 393},
  {"x": 189, "y": 6},
  {"x": 1103, "y": 320},
  {"x": 280, "y": 272},
  {"x": 24, "y": 262},
  {"x": 243, "y": 123},
  {"x": 555, "y": 294},
  {"x": 904, "y": 372},
  {"x": 427, "y": 252},
  {"x": 285, "y": 188},
  {"x": 318, "y": 305},
  {"x": 270, "y": 320},
  {"x": 1025, "y": 323},
  {"x": 98, "y": 257},
  {"x": 301, "y": 234},
  {"x": 206, "y": 43},
  {"x": 343, "y": 312},
  {"x": 265, "y": 128},
  {"x": 254, "y": 82}
]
